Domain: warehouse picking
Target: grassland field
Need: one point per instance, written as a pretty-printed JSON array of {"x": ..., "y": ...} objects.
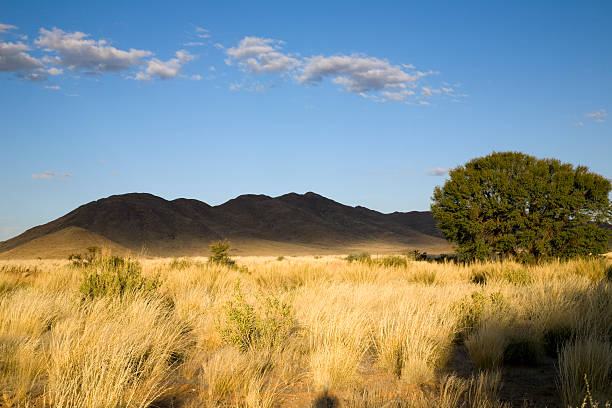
[{"x": 305, "y": 331}]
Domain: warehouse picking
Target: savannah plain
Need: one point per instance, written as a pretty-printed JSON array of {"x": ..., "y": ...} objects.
[{"x": 307, "y": 331}]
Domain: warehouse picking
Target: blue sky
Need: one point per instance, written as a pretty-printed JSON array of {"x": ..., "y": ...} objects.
[{"x": 365, "y": 104}]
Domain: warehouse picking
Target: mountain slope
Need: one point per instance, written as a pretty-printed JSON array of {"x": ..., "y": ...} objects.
[{"x": 143, "y": 222}]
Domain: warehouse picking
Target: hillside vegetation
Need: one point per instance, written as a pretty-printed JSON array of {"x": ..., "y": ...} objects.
[{"x": 289, "y": 331}]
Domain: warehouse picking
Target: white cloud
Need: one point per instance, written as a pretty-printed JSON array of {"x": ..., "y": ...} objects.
[
  {"x": 46, "y": 175},
  {"x": 437, "y": 171},
  {"x": 249, "y": 87},
  {"x": 54, "y": 71},
  {"x": 356, "y": 73},
  {"x": 33, "y": 77},
  {"x": 14, "y": 58},
  {"x": 193, "y": 44},
  {"x": 261, "y": 55},
  {"x": 599, "y": 116},
  {"x": 6, "y": 27},
  {"x": 370, "y": 77},
  {"x": 165, "y": 69},
  {"x": 196, "y": 77},
  {"x": 579, "y": 123},
  {"x": 53, "y": 87},
  {"x": 202, "y": 32},
  {"x": 76, "y": 52}
]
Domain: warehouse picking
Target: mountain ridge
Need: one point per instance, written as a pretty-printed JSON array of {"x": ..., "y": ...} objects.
[{"x": 186, "y": 226}]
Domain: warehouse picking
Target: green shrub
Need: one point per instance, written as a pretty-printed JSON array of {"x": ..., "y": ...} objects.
[
  {"x": 417, "y": 255},
  {"x": 362, "y": 257},
  {"x": 114, "y": 276},
  {"x": 246, "y": 326},
  {"x": 392, "y": 261},
  {"x": 517, "y": 276},
  {"x": 280, "y": 258},
  {"x": 219, "y": 254}
]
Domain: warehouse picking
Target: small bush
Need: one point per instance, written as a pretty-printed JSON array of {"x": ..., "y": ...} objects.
[
  {"x": 417, "y": 255},
  {"x": 362, "y": 257},
  {"x": 392, "y": 261},
  {"x": 517, "y": 276},
  {"x": 280, "y": 258},
  {"x": 246, "y": 327},
  {"x": 114, "y": 276},
  {"x": 219, "y": 254}
]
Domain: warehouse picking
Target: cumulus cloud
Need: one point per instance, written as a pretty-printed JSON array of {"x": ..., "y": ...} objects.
[
  {"x": 76, "y": 51},
  {"x": 370, "y": 77},
  {"x": 6, "y": 27},
  {"x": 356, "y": 73},
  {"x": 599, "y": 116},
  {"x": 14, "y": 58},
  {"x": 193, "y": 44},
  {"x": 165, "y": 69},
  {"x": 261, "y": 55},
  {"x": 437, "y": 171}
]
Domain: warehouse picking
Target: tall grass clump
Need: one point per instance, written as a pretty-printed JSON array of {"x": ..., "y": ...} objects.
[
  {"x": 589, "y": 358},
  {"x": 114, "y": 354}
]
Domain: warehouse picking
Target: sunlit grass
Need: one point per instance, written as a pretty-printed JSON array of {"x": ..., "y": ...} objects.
[{"x": 341, "y": 325}]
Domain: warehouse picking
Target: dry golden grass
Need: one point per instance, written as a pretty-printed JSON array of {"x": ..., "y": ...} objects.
[{"x": 347, "y": 326}]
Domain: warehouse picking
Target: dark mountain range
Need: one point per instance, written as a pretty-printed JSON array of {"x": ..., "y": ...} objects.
[{"x": 290, "y": 224}]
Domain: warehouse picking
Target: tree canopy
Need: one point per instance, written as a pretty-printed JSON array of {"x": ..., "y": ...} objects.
[{"x": 512, "y": 205}]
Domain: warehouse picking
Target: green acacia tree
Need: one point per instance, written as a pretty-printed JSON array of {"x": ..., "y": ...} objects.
[{"x": 513, "y": 205}]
